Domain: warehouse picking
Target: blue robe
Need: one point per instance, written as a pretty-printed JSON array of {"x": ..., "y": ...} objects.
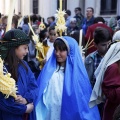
[
  {"x": 76, "y": 87},
  {"x": 27, "y": 88}
]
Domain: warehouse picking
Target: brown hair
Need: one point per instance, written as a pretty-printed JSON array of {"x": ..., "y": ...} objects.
[{"x": 13, "y": 62}]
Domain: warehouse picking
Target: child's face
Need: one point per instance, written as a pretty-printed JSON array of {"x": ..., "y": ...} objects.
[
  {"x": 103, "y": 47},
  {"x": 61, "y": 56},
  {"x": 52, "y": 35},
  {"x": 21, "y": 51}
]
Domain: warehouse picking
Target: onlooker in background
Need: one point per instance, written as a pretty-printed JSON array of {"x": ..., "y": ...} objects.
[
  {"x": 118, "y": 23},
  {"x": 19, "y": 14},
  {"x": 52, "y": 21},
  {"x": 98, "y": 22},
  {"x": 112, "y": 23},
  {"x": 75, "y": 35},
  {"x": 15, "y": 22},
  {"x": 73, "y": 26},
  {"x": 1, "y": 31},
  {"x": 89, "y": 20},
  {"x": 79, "y": 17},
  {"x": 47, "y": 45},
  {"x": 48, "y": 21},
  {"x": 50, "y": 41},
  {"x": 4, "y": 22},
  {"x": 43, "y": 35},
  {"x": 67, "y": 18},
  {"x": 3, "y": 25},
  {"x": 34, "y": 19},
  {"x": 25, "y": 26},
  {"x": 41, "y": 19},
  {"x": 31, "y": 57}
]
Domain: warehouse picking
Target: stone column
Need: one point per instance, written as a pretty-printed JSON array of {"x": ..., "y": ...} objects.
[
  {"x": 31, "y": 6},
  {"x": 2, "y": 6},
  {"x": 18, "y": 7},
  {"x": 47, "y": 8},
  {"x": 82, "y": 6},
  {"x": 25, "y": 7},
  {"x": 7, "y": 6},
  {"x": 97, "y": 8},
  {"x": 41, "y": 8}
]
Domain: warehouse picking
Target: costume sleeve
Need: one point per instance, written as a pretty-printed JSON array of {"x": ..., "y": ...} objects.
[
  {"x": 32, "y": 91},
  {"x": 111, "y": 83},
  {"x": 9, "y": 105}
]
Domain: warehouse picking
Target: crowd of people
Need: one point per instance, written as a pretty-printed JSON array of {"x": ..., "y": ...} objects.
[{"x": 62, "y": 86}]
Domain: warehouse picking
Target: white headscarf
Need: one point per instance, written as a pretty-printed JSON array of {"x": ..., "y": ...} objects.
[
  {"x": 112, "y": 56},
  {"x": 116, "y": 36}
]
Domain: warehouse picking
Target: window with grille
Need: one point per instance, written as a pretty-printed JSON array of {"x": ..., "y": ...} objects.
[
  {"x": 108, "y": 7},
  {"x": 35, "y": 6}
]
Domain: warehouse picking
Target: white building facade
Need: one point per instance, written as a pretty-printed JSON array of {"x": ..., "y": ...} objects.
[{"x": 46, "y": 8}]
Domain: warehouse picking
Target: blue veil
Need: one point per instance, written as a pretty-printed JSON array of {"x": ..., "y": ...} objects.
[{"x": 76, "y": 88}]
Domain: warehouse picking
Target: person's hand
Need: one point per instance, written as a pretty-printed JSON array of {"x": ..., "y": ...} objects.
[
  {"x": 21, "y": 100},
  {"x": 30, "y": 107}
]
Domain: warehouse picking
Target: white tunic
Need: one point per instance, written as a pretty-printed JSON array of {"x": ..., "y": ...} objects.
[{"x": 52, "y": 97}]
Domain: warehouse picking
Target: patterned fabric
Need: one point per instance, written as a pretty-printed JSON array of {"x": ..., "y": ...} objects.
[
  {"x": 12, "y": 38},
  {"x": 97, "y": 60}
]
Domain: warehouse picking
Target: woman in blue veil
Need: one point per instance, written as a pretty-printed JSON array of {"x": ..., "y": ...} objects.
[{"x": 71, "y": 93}]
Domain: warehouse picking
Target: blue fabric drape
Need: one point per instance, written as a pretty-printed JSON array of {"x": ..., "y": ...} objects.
[
  {"x": 27, "y": 88},
  {"x": 76, "y": 88}
]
